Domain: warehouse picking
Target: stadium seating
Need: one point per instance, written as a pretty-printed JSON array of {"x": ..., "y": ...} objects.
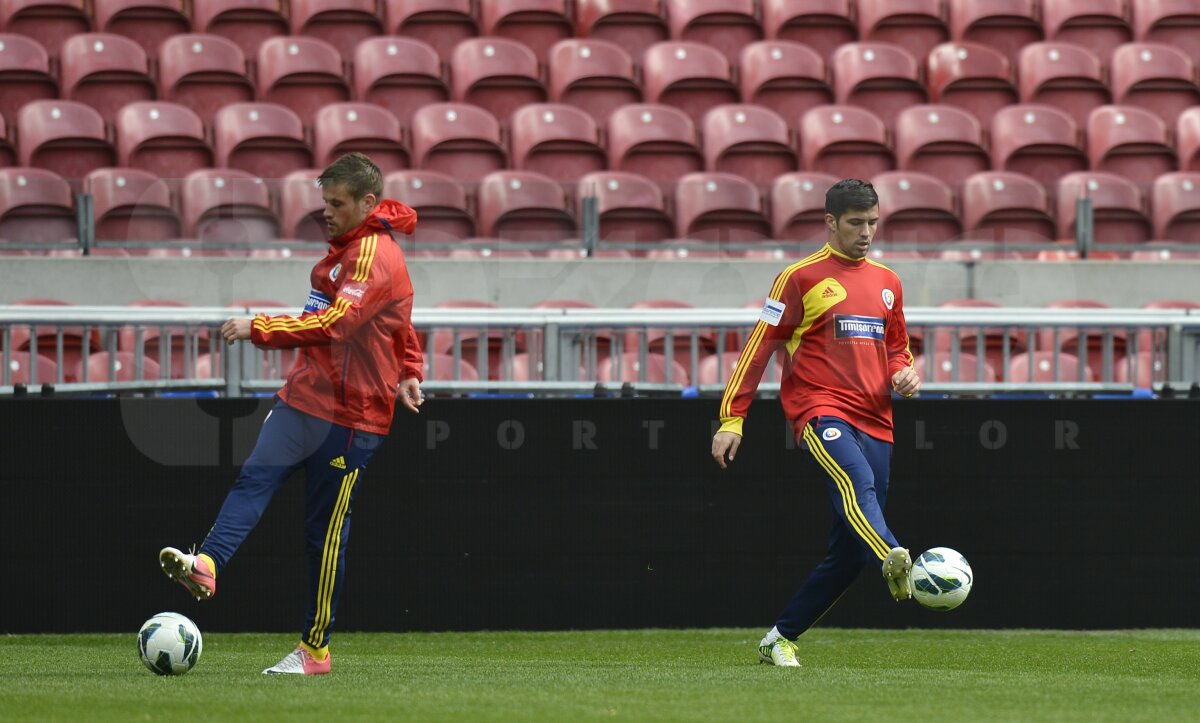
[
  {"x": 204, "y": 73},
  {"x": 719, "y": 208},
  {"x": 1006, "y": 26},
  {"x": 22, "y": 369},
  {"x": 1100, "y": 25},
  {"x": 915, "y": 25},
  {"x": 63, "y": 136},
  {"x": 727, "y": 25},
  {"x": 969, "y": 342},
  {"x": 690, "y": 76},
  {"x": 655, "y": 141},
  {"x": 131, "y": 205},
  {"x": 265, "y": 139},
  {"x": 1130, "y": 142},
  {"x": 748, "y": 141},
  {"x": 49, "y": 22},
  {"x": 147, "y": 22},
  {"x": 496, "y": 74},
  {"x": 1187, "y": 139},
  {"x": 942, "y": 140},
  {"x": 343, "y": 24},
  {"x": 822, "y": 24},
  {"x": 789, "y": 78},
  {"x": 1175, "y": 202},
  {"x": 442, "y": 368},
  {"x": 798, "y": 206},
  {"x": 442, "y": 24},
  {"x": 303, "y": 74},
  {"x": 845, "y": 141},
  {"x": 536, "y": 24},
  {"x": 400, "y": 74},
  {"x": 632, "y": 24},
  {"x": 25, "y": 73},
  {"x": 1118, "y": 208},
  {"x": 594, "y": 75},
  {"x": 630, "y": 208},
  {"x": 941, "y": 368},
  {"x": 1068, "y": 339},
  {"x": 1065, "y": 76},
  {"x": 247, "y": 23},
  {"x": 880, "y": 77},
  {"x": 1047, "y": 366},
  {"x": 1143, "y": 369},
  {"x": 100, "y": 367},
  {"x": 1171, "y": 22},
  {"x": 440, "y": 203},
  {"x": 166, "y": 139},
  {"x": 556, "y": 140},
  {"x": 302, "y": 206},
  {"x": 1155, "y": 341},
  {"x": 36, "y": 206},
  {"x": 1158, "y": 78},
  {"x": 656, "y": 338},
  {"x": 457, "y": 139},
  {"x": 8, "y": 154},
  {"x": 105, "y": 71},
  {"x": 225, "y": 205},
  {"x": 974, "y": 77},
  {"x": 920, "y": 208},
  {"x": 1006, "y": 207},
  {"x": 524, "y": 206},
  {"x": 341, "y": 128},
  {"x": 1037, "y": 140},
  {"x": 442, "y": 341}
]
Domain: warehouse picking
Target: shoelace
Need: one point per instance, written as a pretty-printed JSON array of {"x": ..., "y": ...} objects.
[{"x": 787, "y": 650}]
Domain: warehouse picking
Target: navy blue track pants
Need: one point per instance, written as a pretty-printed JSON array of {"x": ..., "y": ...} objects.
[
  {"x": 333, "y": 458},
  {"x": 855, "y": 467}
]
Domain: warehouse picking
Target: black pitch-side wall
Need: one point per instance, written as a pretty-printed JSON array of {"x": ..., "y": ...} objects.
[{"x": 605, "y": 514}]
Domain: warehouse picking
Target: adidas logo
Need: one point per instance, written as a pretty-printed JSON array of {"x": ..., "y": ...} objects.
[
  {"x": 339, "y": 462},
  {"x": 828, "y": 292}
]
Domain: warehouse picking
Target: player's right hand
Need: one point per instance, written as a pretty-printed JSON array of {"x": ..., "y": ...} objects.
[{"x": 725, "y": 443}]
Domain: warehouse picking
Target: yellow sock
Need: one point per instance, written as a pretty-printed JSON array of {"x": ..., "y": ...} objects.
[
  {"x": 211, "y": 565},
  {"x": 318, "y": 653}
]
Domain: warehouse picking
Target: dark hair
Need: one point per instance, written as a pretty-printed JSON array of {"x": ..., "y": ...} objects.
[
  {"x": 357, "y": 173},
  {"x": 850, "y": 194}
]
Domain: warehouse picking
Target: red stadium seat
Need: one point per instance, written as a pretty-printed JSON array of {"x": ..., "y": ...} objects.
[
  {"x": 940, "y": 367},
  {"x": 719, "y": 208},
  {"x": 556, "y": 140},
  {"x": 632, "y": 24},
  {"x": 442, "y": 368},
  {"x": 227, "y": 205},
  {"x": 690, "y": 76},
  {"x": 204, "y": 73},
  {"x": 105, "y": 71},
  {"x": 973, "y": 77},
  {"x": 24, "y": 73},
  {"x": 457, "y": 139},
  {"x": 164, "y": 138},
  {"x": 301, "y": 73},
  {"x": 8, "y": 154},
  {"x": 1047, "y": 366},
  {"x": 629, "y": 369},
  {"x": 245, "y": 22},
  {"x": 824, "y": 25},
  {"x": 265, "y": 139},
  {"x": 594, "y": 75},
  {"x": 748, "y": 141},
  {"x": 1099, "y": 25},
  {"x": 920, "y": 208},
  {"x": 342, "y": 128},
  {"x": 942, "y": 140},
  {"x": 1006, "y": 207},
  {"x": 400, "y": 74},
  {"x": 1156, "y": 340},
  {"x": 524, "y": 206},
  {"x": 789, "y": 78},
  {"x": 1119, "y": 214},
  {"x": 727, "y": 25},
  {"x": 497, "y": 74},
  {"x": 101, "y": 365},
  {"x": 879, "y": 77},
  {"x": 1038, "y": 141},
  {"x": 1172, "y": 22},
  {"x": 36, "y": 205},
  {"x": 185, "y": 345},
  {"x": 717, "y": 368},
  {"x": 1176, "y": 204},
  {"x": 302, "y": 206},
  {"x": 131, "y": 205},
  {"x": 798, "y": 206},
  {"x": 536, "y": 24},
  {"x": 681, "y": 341},
  {"x": 968, "y": 337},
  {"x": 631, "y": 208},
  {"x": 342, "y": 24},
  {"x": 1006, "y": 25},
  {"x": 1187, "y": 138},
  {"x": 147, "y": 22},
  {"x": 1143, "y": 369},
  {"x": 440, "y": 203},
  {"x": 442, "y": 340},
  {"x": 1158, "y": 78},
  {"x": 46, "y": 337},
  {"x": 22, "y": 369},
  {"x": 845, "y": 141},
  {"x": 49, "y": 22},
  {"x": 1069, "y": 337},
  {"x": 63, "y": 136},
  {"x": 442, "y": 24},
  {"x": 1160, "y": 251},
  {"x": 915, "y": 25},
  {"x": 655, "y": 141},
  {"x": 1068, "y": 77},
  {"x": 1129, "y": 142}
]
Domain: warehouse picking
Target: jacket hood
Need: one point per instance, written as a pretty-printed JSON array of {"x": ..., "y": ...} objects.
[{"x": 389, "y": 215}]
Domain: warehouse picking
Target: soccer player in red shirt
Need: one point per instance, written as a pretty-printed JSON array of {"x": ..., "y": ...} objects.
[
  {"x": 358, "y": 354},
  {"x": 840, "y": 318}
]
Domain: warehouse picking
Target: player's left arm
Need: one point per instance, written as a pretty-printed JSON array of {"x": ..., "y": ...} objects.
[{"x": 901, "y": 367}]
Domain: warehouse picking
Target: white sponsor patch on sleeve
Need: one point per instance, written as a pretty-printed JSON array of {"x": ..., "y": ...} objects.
[{"x": 772, "y": 312}]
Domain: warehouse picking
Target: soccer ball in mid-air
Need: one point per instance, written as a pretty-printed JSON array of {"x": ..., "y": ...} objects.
[
  {"x": 941, "y": 578},
  {"x": 169, "y": 644}
]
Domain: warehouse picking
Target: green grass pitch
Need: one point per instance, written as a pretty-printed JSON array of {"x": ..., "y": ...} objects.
[{"x": 644, "y": 675}]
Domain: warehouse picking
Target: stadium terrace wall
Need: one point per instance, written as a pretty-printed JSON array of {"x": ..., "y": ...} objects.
[{"x": 576, "y": 514}]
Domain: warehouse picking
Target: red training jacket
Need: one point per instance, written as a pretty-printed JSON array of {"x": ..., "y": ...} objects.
[
  {"x": 841, "y": 321},
  {"x": 355, "y": 336}
]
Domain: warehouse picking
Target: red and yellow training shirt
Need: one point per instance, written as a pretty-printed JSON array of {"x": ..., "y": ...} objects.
[{"x": 841, "y": 323}]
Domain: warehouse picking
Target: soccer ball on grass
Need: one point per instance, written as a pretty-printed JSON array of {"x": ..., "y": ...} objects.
[
  {"x": 169, "y": 644},
  {"x": 941, "y": 578}
]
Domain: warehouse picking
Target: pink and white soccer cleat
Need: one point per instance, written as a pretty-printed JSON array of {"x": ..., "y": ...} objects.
[{"x": 191, "y": 571}]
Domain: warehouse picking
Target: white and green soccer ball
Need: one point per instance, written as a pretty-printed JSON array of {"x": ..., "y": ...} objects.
[
  {"x": 941, "y": 578},
  {"x": 169, "y": 644}
]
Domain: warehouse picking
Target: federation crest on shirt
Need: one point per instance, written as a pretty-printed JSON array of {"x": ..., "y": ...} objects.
[
  {"x": 889, "y": 298},
  {"x": 333, "y": 273}
]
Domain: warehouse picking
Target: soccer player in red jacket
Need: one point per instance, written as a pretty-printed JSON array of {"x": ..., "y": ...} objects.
[
  {"x": 358, "y": 354},
  {"x": 840, "y": 318}
]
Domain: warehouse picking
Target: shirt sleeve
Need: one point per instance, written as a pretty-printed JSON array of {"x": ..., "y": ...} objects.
[
  {"x": 898, "y": 351},
  {"x": 781, "y": 315},
  {"x": 361, "y": 295},
  {"x": 412, "y": 363}
]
